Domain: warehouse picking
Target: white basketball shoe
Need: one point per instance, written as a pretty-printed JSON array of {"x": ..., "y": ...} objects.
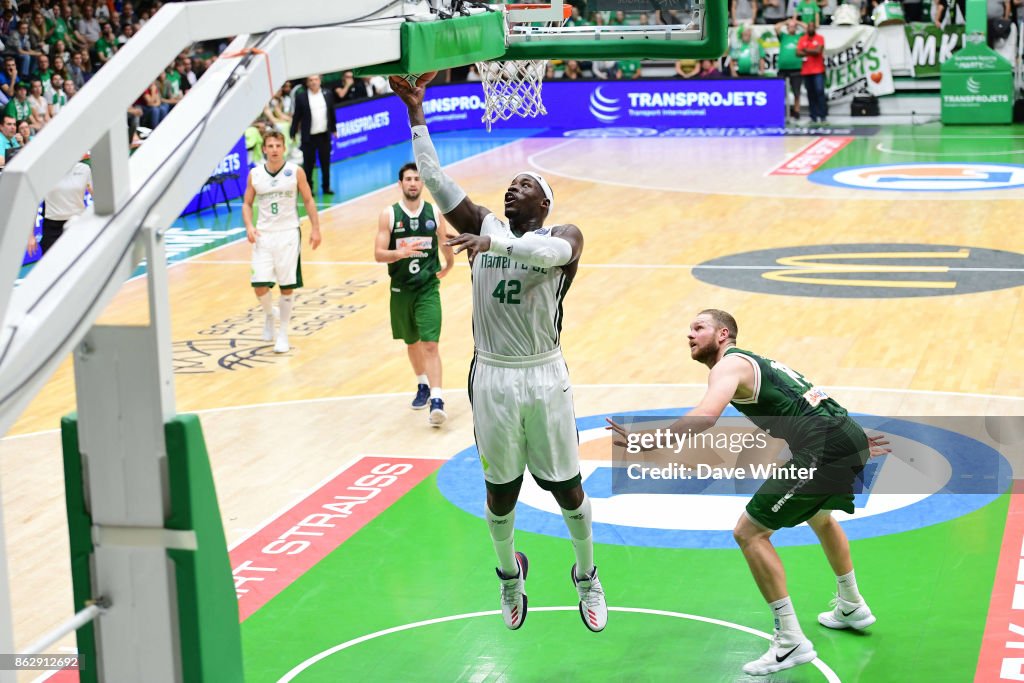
[
  {"x": 282, "y": 345},
  {"x": 593, "y": 608},
  {"x": 268, "y": 328},
  {"x": 513, "y": 594},
  {"x": 786, "y": 651},
  {"x": 846, "y": 614}
]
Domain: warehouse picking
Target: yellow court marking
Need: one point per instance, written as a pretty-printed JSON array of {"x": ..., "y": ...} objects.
[{"x": 807, "y": 267}]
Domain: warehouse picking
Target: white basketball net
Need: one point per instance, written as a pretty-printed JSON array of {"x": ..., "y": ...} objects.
[{"x": 513, "y": 88}]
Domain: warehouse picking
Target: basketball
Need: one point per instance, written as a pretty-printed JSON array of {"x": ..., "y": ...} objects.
[{"x": 414, "y": 80}]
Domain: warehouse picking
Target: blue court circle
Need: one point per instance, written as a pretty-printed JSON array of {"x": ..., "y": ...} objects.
[
  {"x": 1015, "y": 179},
  {"x": 460, "y": 480}
]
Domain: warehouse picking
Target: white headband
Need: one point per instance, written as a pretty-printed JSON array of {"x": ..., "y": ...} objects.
[{"x": 544, "y": 186}]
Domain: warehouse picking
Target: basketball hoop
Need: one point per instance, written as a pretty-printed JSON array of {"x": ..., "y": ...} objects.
[{"x": 512, "y": 87}]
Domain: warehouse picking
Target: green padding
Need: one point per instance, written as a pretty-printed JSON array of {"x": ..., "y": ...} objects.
[
  {"x": 712, "y": 46},
  {"x": 436, "y": 45},
  {"x": 211, "y": 644},
  {"x": 80, "y": 533}
]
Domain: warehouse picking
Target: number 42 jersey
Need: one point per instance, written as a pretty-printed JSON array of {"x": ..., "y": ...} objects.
[{"x": 517, "y": 309}]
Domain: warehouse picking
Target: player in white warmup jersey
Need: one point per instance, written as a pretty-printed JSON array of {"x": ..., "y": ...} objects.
[
  {"x": 276, "y": 237},
  {"x": 518, "y": 383}
]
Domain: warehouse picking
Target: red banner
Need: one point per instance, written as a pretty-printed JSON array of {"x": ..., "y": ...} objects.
[{"x": 808, "y": 159}]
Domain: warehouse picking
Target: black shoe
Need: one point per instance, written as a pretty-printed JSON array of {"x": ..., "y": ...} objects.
[{"x": 328, "y": 190}]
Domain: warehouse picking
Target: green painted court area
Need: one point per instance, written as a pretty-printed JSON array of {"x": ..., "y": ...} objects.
[
  {"x": 933, "y": 143},
  {"x": 425, "y": 559}
]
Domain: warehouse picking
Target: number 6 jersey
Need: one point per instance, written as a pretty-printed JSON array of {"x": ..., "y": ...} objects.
[
  {"x": 517, "y": 309},
  {"x": 419, "y": 231}
]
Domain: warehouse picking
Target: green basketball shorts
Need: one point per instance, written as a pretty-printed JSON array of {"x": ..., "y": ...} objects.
[
  {"x": 788, "y": 502},
  {"x": 416, "y": 315}
]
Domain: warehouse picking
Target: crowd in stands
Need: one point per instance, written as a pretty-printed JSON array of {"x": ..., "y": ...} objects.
[
  {"x": 51, "y": 48},
  {"x": 939, "y": 12}
]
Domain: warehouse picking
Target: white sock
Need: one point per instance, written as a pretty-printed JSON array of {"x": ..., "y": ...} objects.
[
  {"x": 785, "y": 617},
  {"x": 435, "y": 392},
  {"x": 266, "y": 302},
  {"x": 422, "y": 379},
  {"x": 848, "y": 588},
  {"x": 502, "y": 528},
  {"x": 284, "y": 304},
  {"x": 579, "y": 523}
]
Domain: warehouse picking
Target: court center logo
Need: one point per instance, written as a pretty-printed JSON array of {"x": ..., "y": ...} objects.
[
  {"x": 236, "y": 343},
  {"x": 924, "y": 177},
  {"x": 605, "y": 109},
  {"x": 866, "y": 270},
  {"x": 948, "y": 465}
]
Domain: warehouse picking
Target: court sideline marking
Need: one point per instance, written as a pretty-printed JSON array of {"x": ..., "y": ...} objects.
[
  {"x": 625, "y": 266},
  {"x": 912, "y": 152},
  {"x": 693, "y": 385}
]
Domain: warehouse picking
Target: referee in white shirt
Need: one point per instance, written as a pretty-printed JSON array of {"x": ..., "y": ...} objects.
[
  {"x": 314, "y": 117},
  {"x": 65, "y": 201}
]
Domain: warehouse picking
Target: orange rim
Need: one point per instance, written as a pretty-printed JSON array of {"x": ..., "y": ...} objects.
[{"x": 566, "y": 8}]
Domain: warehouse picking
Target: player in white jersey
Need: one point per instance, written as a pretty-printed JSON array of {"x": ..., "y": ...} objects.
[
  {"x": 518, "y": 385},
  {"x": 276, "y": 237}
]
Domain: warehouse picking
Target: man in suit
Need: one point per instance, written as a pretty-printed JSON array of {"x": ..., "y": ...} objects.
[{"x": 314, "y": 117}]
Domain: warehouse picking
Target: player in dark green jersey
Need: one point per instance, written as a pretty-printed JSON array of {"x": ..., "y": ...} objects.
[
  {"x": 829, "y": 449},
  {"x": 409, "y": 235}
]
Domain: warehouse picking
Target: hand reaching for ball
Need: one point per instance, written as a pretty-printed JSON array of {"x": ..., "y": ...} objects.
[{"x": 411, "y": 87}]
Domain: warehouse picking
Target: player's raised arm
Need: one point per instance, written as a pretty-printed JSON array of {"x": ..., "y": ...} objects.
[{"x": 459, "y": 209}]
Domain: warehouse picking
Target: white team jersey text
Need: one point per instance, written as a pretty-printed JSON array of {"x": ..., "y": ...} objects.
[
  {"x": 276, "y": 198},
  {"x": 517, "y": 309}
]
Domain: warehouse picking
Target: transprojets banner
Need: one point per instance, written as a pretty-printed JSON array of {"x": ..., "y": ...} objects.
[
  {"x": 977, "y": 86},
  {"x": 854, "y": 63},
  {"x": 931, "y": 45}
]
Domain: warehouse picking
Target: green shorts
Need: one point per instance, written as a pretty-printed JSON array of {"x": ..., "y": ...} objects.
[
  {"x": 416, "y": 315},
  {"x": 788, "y": 502}
]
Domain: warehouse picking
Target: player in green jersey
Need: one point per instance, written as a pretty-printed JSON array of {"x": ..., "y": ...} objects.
[
  {"x": 409, "y": 234},
  {"x": 829, "y": 449}
]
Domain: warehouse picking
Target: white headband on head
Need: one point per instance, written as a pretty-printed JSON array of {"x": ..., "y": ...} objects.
[{"x": 544, "y": 186}]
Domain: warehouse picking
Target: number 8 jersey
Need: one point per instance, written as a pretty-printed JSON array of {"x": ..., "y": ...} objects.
[
  {"x": 517, "y": 309},
  {"x": 276, "y": 197}
]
